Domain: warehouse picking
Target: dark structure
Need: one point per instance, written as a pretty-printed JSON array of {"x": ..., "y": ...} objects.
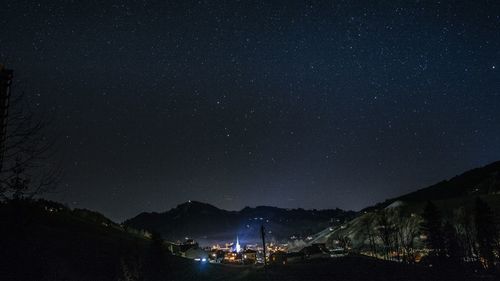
[
  {"x": 263, "y": 233},
  {"x": 5, "y": 82},
  {"x": 278, "y": 257}
]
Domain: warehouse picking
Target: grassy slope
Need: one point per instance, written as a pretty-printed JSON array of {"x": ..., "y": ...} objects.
[{"x": 39, "y": 245}]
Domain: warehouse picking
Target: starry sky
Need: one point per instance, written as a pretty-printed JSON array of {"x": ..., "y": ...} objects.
[{"x": 313, "y": 104}]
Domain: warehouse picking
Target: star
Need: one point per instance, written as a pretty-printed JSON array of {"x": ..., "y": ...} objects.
[{"x": 218, "y": 88}]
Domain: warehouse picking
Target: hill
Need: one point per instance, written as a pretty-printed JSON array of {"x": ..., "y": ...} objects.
[
  {"x": 45, "y": 241},
  {"x": 208, "y": 224},
  {"x": 455, "y": 199},
  {"x": 476, "y": 182}
]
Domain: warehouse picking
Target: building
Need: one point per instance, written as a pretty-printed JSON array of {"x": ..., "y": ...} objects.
[
  {"x": 233, "y": 257},
  {"x": 216, "y": 255},
  {"x": 249, "y": 256},
  {"x": 278, "y": 257}
]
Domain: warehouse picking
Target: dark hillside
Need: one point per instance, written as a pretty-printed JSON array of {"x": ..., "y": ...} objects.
[
  {"x": 47, "y": 241},
  {"x": 477, "y": 182}
]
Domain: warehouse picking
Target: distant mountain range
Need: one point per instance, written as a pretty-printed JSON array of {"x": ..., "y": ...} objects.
[{"x": 209, "y": 224}]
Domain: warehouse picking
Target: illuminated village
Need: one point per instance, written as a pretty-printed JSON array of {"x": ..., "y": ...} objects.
[
  {"x": 231, "y": 252},
  {"x": 362, "y": 236}
]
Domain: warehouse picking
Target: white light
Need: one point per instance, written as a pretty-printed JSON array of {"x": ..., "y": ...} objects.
[
  {"x": 238, "y": 247},
  {"x": 203, "y": 259}
]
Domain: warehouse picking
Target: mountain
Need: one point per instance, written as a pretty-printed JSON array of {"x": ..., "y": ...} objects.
[
  {"x": 476, "y": 182},
  {"x": 209, "y": 224},
  {"x": 454, "y": 196}
]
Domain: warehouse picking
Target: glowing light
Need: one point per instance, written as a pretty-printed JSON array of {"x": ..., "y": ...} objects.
[{"x": 238, "y": 247}]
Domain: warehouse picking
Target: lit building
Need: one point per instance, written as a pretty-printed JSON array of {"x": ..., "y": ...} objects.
[{"x": 249, "y": 256}]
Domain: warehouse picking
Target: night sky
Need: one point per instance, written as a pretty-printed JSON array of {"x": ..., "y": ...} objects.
[{"x": 314, "y": 104}]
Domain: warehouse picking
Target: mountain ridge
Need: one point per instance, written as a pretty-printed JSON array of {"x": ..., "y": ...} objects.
[
  {"x": 453, "y": 196},
  {"x": 204, "y": 221},
  {"x": 477, "y": 181}
]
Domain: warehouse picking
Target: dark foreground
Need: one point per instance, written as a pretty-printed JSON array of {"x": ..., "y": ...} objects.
[
  {"x": 36, "y": 244},
  {"x": 361, "y": 268}
]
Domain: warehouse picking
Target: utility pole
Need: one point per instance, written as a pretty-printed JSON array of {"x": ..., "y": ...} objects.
[
  {"x": 5, "y": 82},
  {"x": 263, "y": 234}
]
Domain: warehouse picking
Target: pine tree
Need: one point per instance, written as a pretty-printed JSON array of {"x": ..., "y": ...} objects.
[
  {"x": 431, "y": 227},
  {"x": 452, "y": 247},
  {"x": 486, "y": 233}
]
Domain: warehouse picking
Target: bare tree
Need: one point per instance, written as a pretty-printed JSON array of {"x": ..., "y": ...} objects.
[
  {"x": 369, "y": 232},
  {"x": 25, "y": 150},
  {"x": 407, "y": 229},
  {"x": 344, "y": 242},
  {"x": 466, "y": 233},
  {"x": 386, "y": 231}
]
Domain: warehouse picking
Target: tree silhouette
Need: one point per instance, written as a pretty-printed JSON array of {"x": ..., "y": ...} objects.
[
  {"x": 486, "y": 233},
  {"x": 367, "y": 221},
  {"x": 466, "y": 233},
  {"x": 452, "y": 248},
  {"x": 25, "y": 149},
  {"x": 407, "y": 229},
  {"x": 386, "y": 232},
  {"x": 431, "y": 227}
]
